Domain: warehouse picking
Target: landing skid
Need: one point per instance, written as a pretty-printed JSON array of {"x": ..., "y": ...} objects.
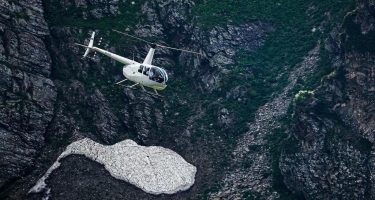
[
  {"x": 153, "y": 94},
  {"x": 130, "y": 87},
  {"x": 144, "y": 90}
]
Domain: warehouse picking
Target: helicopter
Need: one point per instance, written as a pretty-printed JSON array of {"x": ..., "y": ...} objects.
[{"x": 142, "y": 74}]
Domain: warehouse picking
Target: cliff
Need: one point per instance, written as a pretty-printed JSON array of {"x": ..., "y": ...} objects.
[
  {"x": 333, "y": 125},
  {"x": 28, "y": 95},
  {"x": 280, "y": 105}
]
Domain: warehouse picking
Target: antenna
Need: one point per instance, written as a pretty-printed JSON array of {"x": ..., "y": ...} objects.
[{"x": 153, "y": 45}]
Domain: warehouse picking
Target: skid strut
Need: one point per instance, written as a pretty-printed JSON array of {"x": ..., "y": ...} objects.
[
  {"x": 118, "y": 83},
  {"x": 135, "y": 85},
  {"x": 156, "y": 94}
]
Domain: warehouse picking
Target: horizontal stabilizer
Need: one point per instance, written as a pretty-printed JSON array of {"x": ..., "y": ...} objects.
[{"x": 82, "y": 45}]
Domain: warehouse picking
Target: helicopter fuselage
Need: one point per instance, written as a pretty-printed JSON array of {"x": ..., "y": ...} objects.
[{"x": 134, "y": 73}]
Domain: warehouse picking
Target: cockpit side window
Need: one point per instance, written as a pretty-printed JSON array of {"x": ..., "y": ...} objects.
[
  {"x": 151, "y": 73},
  {"x": 140, "y": 69},
  {"x": 143, "y": 69}
]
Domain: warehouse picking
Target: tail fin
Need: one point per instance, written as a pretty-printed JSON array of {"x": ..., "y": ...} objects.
[{"x": 90, "y": 44}]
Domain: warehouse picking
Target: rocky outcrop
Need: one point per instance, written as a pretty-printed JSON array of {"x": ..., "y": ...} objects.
[
  {"x": 355, "y": 91},
  {"x": 223, "y": 44},
  {"x": 27, "y": 95},
  {"x": 251, "y": 155},
  {"x": 326, "y": 159},
  {"x": 155, "y": 170},
  {"x": 333, "y": 127}
]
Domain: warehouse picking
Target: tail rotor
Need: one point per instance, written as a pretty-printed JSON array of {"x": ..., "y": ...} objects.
[{"x": 90, "y": 46}]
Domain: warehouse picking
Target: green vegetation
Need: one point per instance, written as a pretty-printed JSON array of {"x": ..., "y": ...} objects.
[
  {"x": 265, "y": 72},
  {"x": 300, "y": 98},
  {"x": 270, "y": 66},
  {"x": 324, "y": 67},
  {"x": 286, "y": 14}
]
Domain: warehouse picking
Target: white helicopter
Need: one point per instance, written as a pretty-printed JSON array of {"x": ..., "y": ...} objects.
[{"x": 143, "y": 74}]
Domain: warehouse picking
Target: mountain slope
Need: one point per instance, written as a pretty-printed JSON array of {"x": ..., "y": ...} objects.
[
  {"x": 228, "y": 112},
  {"x": 333, "y": 126}
]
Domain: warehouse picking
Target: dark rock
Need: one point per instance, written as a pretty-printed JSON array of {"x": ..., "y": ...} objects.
[
  {"x": 27, "y": 94},
  {"x": 333, "y": 130},
  {"x": 26, "y": 109}
]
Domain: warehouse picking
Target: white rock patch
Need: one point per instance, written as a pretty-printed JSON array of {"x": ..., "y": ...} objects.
[{"x": 153, "y": 169}]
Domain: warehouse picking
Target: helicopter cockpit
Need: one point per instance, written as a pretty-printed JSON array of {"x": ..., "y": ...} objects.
[{"x": 154, "y": 73}]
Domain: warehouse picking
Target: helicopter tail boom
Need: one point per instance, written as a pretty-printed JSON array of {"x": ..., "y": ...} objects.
[{"x": 116, "y": 57}]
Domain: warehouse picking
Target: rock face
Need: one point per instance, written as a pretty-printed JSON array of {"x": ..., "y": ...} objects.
[
  {"x": 27, "y": 95},
  {"x": 250, "y": 155},
  {"x": 333, "y": 128},
  {"x": 155, "y": 170},
  {"x": 219, "y": 45},
  {"x": 224, "y": 43},
  {"x": 326, "y": 157},
  {"x": 50, "y": 98}
]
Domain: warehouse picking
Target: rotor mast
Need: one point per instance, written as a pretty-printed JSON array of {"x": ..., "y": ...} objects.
[
  {"x": 116, "y": 57},
  {"x": 150, "y": 55}
]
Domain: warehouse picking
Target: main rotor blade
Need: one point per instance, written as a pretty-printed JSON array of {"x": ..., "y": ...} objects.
[
  {"x": 178, "y": 49},
  {"x": 131, "y": 36},
  {"x": 156, "y": 44},
  {"x": 83, "y": 45}
]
